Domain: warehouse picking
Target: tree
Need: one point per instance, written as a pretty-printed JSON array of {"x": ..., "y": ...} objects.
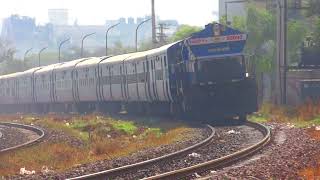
[
  {"x": 184, "y": 31},
  {"x": 46, "y": 59},
  {"x": 316, "y": 33},
  {"x": 12, "y": 66},
  {"x": 296, "y": 33},
  {"x": 260, "y": 25},
  {"x": 146, "y": 45},
  {"x": 6, "y": 51},
  {"x": 313, "y": 7}
]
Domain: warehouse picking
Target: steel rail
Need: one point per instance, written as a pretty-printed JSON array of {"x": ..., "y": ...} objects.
[
  {"x": 37, "y": 130},
  {"x": 119, "y": 170},
  {"x": 222, "y": 161}
]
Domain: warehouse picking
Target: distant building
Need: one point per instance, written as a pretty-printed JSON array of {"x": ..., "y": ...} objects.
[
  {"x": 18, "y": 28},
  {"x": 23, "y": 32},
  {"x": 58, "y": 17}
]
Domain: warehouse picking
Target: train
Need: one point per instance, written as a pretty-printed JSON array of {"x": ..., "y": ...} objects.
[{"x": 204, "y": 74}]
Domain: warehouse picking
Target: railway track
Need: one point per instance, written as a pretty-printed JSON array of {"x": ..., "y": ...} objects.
[
  {"x": 219, "y": 162},
  {"x": 122, "y": 169},
  {"x": 24, "y": 129},
  {"x": 183, "y": 172}
]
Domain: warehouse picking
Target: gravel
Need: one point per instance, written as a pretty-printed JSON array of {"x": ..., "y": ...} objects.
[
  {"x": 12, "y": 136},
  {"x": 227, "y": 141},
  {"x": 290, "y": 150},
  {"x": 198, "y": 134}
]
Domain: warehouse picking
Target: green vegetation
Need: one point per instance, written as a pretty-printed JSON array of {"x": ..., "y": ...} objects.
[
  {"x": 125, "y": 126},
  {"x": 260, "y": 24},
  {"x": 184, "y": 31},
  {"x": 258, "y": 118}
]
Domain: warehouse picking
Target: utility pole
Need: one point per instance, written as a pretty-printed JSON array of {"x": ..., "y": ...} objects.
[
  {"x": 60, "y": 45},
  {"x": 84, "y": 37},
  {"x": 136, "y": 37},
  {"x": 153, "y": 16},
  {"x": 39, "y": 55},
  {"x": 24, "y": 57},
  {"x": 285, "y": 58},
  {"x": 161, "y": 33},
  {"x": 107, "y": 36},
  {"x": 281, "y": 64}
]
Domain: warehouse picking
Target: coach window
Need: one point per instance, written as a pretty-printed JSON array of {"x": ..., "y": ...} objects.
[
  {"x": 135, "y": 68},
  {"x": 143, "y": 67},
  {"x": 165, "y": 61}
]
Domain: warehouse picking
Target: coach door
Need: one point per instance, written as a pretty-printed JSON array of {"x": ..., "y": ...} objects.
[
  {"x": 159, "y": 68},
  {"x": 154, "y": 78},
  {"x": 149, "y": 81}
]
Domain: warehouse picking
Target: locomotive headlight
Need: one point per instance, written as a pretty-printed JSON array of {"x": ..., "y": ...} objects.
[{"x": 247, "y": 74}]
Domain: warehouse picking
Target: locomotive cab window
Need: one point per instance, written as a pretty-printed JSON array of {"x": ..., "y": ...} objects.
[{"x": 220, "y": 69}]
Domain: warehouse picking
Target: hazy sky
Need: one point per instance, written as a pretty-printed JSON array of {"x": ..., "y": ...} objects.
[{"x": 195, "y": 12}]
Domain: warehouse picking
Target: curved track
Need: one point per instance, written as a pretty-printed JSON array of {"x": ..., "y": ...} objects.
[
  {"x": 185, "y": 172},
  {"x": 37, "y": 130},
  {"x": 222, "y": 161},
  {"x": 119, "y": 170}
]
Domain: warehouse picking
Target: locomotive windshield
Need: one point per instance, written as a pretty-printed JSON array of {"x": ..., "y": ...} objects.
[{"x": 220, "y": 69}]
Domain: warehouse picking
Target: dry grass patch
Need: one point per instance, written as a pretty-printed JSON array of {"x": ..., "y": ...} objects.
[
  {"x": 55, "y": 156},
  {"x": 305, "y": 115},
  {"x": 310, "y": 173},
  {"x": 103, "y": 137}
]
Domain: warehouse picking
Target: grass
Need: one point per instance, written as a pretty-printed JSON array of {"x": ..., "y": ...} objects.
[
  {"x": 126, "y": 126},
  {"x": 306, "y": 115},
  {"x": 103, "y": 137}
]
